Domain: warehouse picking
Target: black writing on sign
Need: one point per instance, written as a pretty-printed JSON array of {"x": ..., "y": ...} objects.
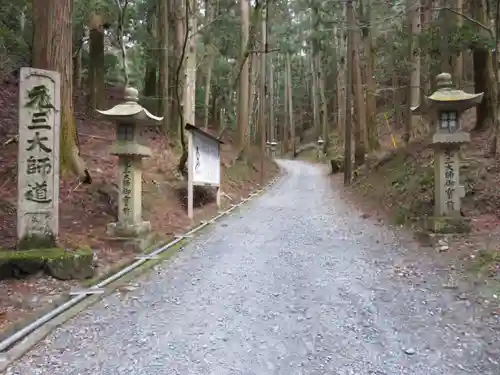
[
  {"x": 197, "y": 165},
  {"x": 38, "y": 192},
  {"x": 449, "y": 192},
  {"x": 38, "y": 142},
  {"x": 39, "y": 121},
  {"x": 126, "y": 188},
  {"x": 38, "y": 165},
  {"x": 450, "y": 205},
  {"x": 38, "y": 221}
]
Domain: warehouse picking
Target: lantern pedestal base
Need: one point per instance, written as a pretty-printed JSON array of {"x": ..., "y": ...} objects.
[
  {"x": 447, "y": 224},
  {"x": 132, "y": 237},
  {"x": 129, "y": 230}
]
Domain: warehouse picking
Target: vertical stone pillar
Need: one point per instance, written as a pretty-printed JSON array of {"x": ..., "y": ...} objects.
[
  {"x": 38, "y": 158},
  {"x": 448, "y": 191}
]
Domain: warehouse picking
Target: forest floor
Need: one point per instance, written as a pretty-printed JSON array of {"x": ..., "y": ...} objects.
[
  {"x": 85, "y": 210},
  {"x": 397, "y": 185}
]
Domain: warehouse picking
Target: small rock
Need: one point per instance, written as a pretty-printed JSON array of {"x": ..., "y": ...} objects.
[
  {"x": 409, "y": 351},
  {"x": 129, "y": 288},
  {"x": 443, "y": 248}
]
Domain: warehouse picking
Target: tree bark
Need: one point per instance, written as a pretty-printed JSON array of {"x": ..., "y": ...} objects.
[
  {"x": 243, "y": 101},
  {"x": 163, "y": 63},
  {"x": 52, "y": 50},
  {"x": 177, "y": 9},
  {"x": 323, "y": 105},
  {"x": 371, "y": 87},
  {"x": 458, "y": 65},
  {"x": 96, "y": 94},
  {"x": 289, "y": 106},
  {"x": 150, "y": 74},
  {"x": 271, "y": 131},
  {"x": 484, "y": 75},
  {"x": 253, "y": 102},
  {"x": 210, "y": 15},
  {"x": 359, "y": 126}
]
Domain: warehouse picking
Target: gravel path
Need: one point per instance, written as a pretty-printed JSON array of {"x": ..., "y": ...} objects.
[{"x": 295, "y": 282}]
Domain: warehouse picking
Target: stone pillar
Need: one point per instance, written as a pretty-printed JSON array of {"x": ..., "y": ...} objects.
[
  {"x": 448, "y": 191},
  {"x": 38, "y": 158}
]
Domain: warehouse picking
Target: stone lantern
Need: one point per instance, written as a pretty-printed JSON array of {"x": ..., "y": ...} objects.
[
  {"x": 129, "y": 117},
  {"x": 268, "y": 148},
  {"x": 273, "y": 145},
  {"x": 320, "y": 143},
  {"x": 445, "y": 108}
]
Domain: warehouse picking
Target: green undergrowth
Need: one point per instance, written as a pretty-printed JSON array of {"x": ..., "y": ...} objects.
[
  {"x": 404, "y": 183},
  {"x": 486, "y": 261},
  {"x": 239, "y": 170}
]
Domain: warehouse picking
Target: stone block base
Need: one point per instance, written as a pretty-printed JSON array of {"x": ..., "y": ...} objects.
[
  {"x": 56, "y": 262},
  {"x": 132, "y": 237},
  {"x": 129, "y": 230},
  {"x": 447, "y": 225},
  {"x": 135, "y": 244}
]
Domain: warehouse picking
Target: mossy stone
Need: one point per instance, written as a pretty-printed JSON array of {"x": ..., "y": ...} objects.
[
  {"x": 35, "y": 241},
  {"x": 20, "y": 263},
  {"x": 56, "y": 262},
  {"x": 448, "y": 225},
  {"x": 72, "y": 265}
]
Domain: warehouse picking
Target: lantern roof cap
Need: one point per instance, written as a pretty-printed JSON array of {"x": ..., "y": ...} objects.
[{"x": 130, "y": 108}]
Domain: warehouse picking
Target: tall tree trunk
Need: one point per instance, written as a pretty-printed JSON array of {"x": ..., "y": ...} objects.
[
  {"x": 178, "y": 11},
  {"x": 243, "y": 102},
  {"x": 323, "y": 105},
  {"x": 359, "y": 126},
  {"x": 77, "y": 59},
  {"x": 210, "y": 15},
  {"x": 484, "y": 75},
  {"x": 395, "y": 85},
  {"x": 341, "y": 77},
  {"x": 426, "y": 75},
  {"x": 253, "y": 95},
  {"x": 163, "y": 63},
  {"x": 458, "y": 65},
  {"x": 371, "y": 87},
  {"x": 52, "y": 50},
  {"x": 314, "y": 96},
  {"x": 262, "y": 96},
  {"x": 271, "y": 131},
  {"x": 151, "y": 57},
  {"x": 286, "y": 123},
  {"x": 96, "y": 94},
  {"x": 189, "y": 90},
  {"x": 289, "y": 100},
  {"x": 412, "y": 122},
  {"x": 316, "y": 64},
  {"x": 190, "y": 84},
  {"x": 348, "y": 116}
]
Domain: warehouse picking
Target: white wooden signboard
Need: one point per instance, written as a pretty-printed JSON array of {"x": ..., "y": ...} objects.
[
  {"x": 204, "y": 164},
  {"x": 38, "y": 159}
]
